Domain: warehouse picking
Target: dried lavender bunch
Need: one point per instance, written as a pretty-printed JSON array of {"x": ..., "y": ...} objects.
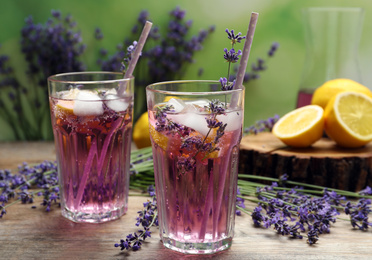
[
  {"x": 293, "y": 211},
  {"x": 16, "y": 187},
  {"x": 50, "y": 48}
]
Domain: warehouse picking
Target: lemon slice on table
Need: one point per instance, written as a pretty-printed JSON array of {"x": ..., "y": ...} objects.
[
  {"x": 329, "y": 89},
  {"x": 348, "y": 119},
  {"x": 301, "y": 127}
]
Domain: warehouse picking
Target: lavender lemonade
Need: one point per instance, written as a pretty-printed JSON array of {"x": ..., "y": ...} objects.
[
  {"x": 196, "y": 149},
  {"x": 92, "y": 131}
]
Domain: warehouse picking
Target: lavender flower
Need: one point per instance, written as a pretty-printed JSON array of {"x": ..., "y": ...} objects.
[
  {"x": 231, "y": 56},
  {"x": 359, "y": 213},
  {"x": 257, "y": 67},
  {"x": 262, "y": 126},
  {"x": 234, "y": 38},
  {"x": 128, "y": 56},
  {"x": 239, "y": 202}
]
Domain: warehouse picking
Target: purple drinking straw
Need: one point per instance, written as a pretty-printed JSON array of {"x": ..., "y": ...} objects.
[
  {"x": 135, "y": 56},
  {"x": 245, "y": 56}
]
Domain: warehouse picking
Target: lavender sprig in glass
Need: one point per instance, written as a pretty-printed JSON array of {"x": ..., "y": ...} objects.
[{"x": 231, "y": 56}]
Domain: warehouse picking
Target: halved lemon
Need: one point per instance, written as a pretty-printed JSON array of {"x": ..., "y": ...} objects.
[
  {"x": 331, "y": 88},
  {"x": 348, "y": 119},
  {"x": 301, "y": 127}
]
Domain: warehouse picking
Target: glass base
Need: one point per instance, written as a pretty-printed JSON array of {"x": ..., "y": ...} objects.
[
  {"x": 197, "y": 248},
  {"x": 82, "y": 217}
]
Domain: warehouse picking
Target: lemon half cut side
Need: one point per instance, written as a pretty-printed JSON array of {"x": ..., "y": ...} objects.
[
  {"x": 301, "y": 127},
  {"x": 348, "y": 119}
]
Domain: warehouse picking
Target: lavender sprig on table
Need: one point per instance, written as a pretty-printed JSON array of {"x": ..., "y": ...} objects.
[
  {"x": 298, "y": 213},
  {"x": 17, "y": 187},
  {"x": 147, "y": 218}
]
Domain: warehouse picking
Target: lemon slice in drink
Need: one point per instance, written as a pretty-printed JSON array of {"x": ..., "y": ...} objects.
[
  {"x": 65, "y": 106},
  {"x": 348, "y": 119},
  {"x": 301, "y": 127},
  {"x": 157, "y": 137}
]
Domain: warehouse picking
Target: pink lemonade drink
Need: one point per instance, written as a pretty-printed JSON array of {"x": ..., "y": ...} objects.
[
  {"x": 195, "y": 143},
  {"x": 92, "y": 128}
]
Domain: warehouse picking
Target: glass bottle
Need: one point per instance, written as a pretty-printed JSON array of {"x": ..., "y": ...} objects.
[{"x": 332, "y": 36}]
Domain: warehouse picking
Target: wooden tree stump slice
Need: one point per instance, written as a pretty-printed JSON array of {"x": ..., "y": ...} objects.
[{"x": 324, "y": 163}]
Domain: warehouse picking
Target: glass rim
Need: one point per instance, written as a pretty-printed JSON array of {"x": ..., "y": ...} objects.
[
  {"x": 56, "y": 77},
  {"x": 218, "y": 92}
]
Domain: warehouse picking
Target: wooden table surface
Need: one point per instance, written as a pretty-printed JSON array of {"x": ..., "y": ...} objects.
[{"x": 27, "y": 233}]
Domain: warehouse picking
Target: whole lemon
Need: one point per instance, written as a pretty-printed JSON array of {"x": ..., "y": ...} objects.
[
  {"x": 141, "y": 134},
  {"x": 331, "y": 88}
]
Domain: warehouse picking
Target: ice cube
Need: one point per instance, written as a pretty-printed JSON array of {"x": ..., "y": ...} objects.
[
  {"x": 233, "y": 119},
  {"x": 111, "y": 91},
  {"x": 116, "y": 104},
  {"x": 199, "y": 103},
  {"x": 69, "y": 94},
  {"x": 88, "y": 103},
  {"x": 178, "y": 104},
  {"x": 192, "y": 120},
  {"x": 196, "y": 105}
]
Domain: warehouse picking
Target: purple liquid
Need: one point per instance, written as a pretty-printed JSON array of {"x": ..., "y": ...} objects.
[
  {"x": 304, "y": 98},
  {"x": 197, "y": 207},
  {"x": 93, "y": 155}
]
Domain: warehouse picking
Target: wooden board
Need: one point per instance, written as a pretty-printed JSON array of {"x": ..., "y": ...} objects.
[
  {"x": 323, "y": 164},
  {"x": 27, "y": 233}
]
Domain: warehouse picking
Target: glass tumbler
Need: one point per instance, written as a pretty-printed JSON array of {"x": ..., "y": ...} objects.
[
  {"x": 91, "y": 116},
  {"x": 195, "y": 131}
]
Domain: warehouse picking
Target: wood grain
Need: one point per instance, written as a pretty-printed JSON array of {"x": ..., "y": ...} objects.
[
  {"x": 27, "y": 233},
  {"x": 324, "y": 163}
]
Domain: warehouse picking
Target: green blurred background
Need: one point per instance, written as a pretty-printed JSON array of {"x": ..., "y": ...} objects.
[{"x": 279, "y": 21}]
